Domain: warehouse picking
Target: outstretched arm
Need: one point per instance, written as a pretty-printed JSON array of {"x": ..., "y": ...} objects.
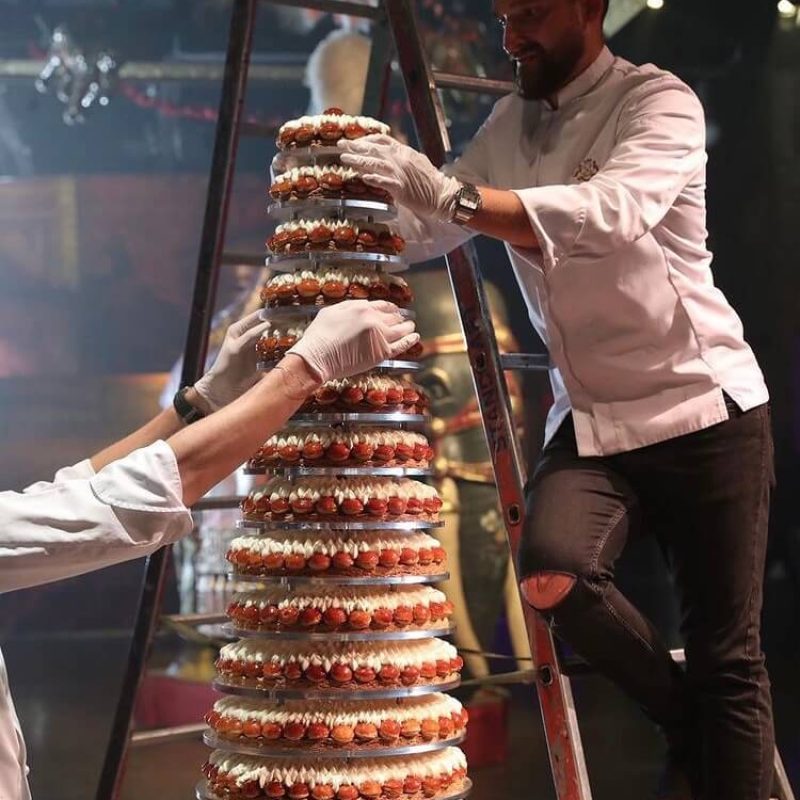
[
  {"x": 233, "y": 372},
  {"x": 134, "y": 505},
  {"x": 659, "y": 151}
]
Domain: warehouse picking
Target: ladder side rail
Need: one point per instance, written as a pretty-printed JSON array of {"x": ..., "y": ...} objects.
[
  {"x": 214, "y": 222},
  {"x": 379, "y": 69},
  {"x": 560, "y": 723}
]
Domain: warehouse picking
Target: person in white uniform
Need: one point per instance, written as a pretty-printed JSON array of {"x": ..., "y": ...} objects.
[
  {"x": 133, "y": 497},
  {"x": 593, "y": 174}
]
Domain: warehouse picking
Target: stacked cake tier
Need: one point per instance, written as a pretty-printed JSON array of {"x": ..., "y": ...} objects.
[{"x": 333, "y": 687}]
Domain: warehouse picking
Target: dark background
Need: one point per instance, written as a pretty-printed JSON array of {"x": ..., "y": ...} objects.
[{"x": 99, "y": 224}]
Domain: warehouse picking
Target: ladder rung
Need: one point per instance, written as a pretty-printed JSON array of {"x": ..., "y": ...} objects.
[
  {"x": 472, "y": 83},
  {"x": 525, "y": 361},
  {"x": 258, "y": 130},
  {"x": 195, "y": 619},
  {"x": 174, "y": 734},
  {"x": 333, "y": 7},
  {"x": 216, "y": 503},
  {"x": 243, "y": 259}
]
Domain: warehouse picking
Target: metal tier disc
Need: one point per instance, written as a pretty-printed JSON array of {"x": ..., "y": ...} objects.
[
  {"x": 340, "y": 525},
  {"x": 288, "y": 313},
  {"x": 203, "y": 792},
  {"x": 229, "y": 631},
  {"x": 304, "y": 156},
  {"x": 278, "y": 694},
  {"x": 245, "y": 747},
  {"x": 384, "y": 366},
  {"x": 289, "y": 581},
  {"x": 289, "y": 262},
  {"x": 358, "y": 418},
  {"x": 341, "y": 472},
  {"x": 344, "y": 208}
]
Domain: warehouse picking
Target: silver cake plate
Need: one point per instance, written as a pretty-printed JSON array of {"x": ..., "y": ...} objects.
[
  {"x": 287, "y": 313},
  {"x": 277, "y": 693},
  {"x": 292, "y": 157},
  {"x": 330, "y": 207},
  {"x": 289, "y": 582},
  {"x": 392, "y": 365},
  {"x": 358, "y": 418},
  {"x": 269, "y": 750},
  {"x": 311, "y": 259},
  {"x": 203, "y": 792},
  {"x": 230, "y": 630},
  {"x": 341, "y": 472},
  {"x": 339, "y": 525}
]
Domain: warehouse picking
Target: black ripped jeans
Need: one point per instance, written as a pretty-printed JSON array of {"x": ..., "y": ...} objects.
[{"x": 705, "y": 495}]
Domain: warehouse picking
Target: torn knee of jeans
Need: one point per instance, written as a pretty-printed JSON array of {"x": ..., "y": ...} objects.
[{"x": 545, "y": 590}]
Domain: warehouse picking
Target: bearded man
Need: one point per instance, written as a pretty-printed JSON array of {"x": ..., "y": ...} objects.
[{"x": 593, "y": 175}]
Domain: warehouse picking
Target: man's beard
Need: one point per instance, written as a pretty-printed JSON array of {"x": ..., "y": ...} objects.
[{"x": 548, "y": 72}]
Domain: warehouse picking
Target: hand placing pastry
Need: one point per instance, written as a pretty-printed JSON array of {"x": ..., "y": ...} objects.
[
  {"x": 353, "y": 337},
  {"x": 407, "y": 175},
  {"x": 234, "y": 369}
]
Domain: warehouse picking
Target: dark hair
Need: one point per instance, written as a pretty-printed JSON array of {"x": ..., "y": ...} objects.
[{"x": 605, "y": 7}]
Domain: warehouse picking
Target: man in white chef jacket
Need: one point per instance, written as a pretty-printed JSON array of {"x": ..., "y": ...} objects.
[
  {"x": 593, "y": 174},
  {"x": 132, "y": 498}
]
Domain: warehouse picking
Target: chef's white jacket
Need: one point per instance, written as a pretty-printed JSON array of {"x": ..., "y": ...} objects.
[
  {"x": 613, "y": 180},
  {"x": 80, "y": 522}
]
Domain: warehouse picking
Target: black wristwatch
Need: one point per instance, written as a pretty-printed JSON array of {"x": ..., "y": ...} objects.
[
  {"x": 468, "y": 203},
  {"x": 185, "y": 410}
]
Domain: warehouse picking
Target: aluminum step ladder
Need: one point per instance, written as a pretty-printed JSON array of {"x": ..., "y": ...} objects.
[{"x": 394, "y": 30}]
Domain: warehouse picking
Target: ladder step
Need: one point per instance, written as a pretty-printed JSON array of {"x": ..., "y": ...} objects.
[
  {"x": 243, "y": 259},
  {"x": 216, "y": 503},
  {"x": 194, "y": 619},
  {"x": 174, "y": 734},
  {"x": 525, "y": 361},
  {"x": 258, "y": 130},
  {"x": 471, "y": 83}
]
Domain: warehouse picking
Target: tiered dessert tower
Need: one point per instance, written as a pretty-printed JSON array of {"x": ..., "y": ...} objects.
[{"x": 333, "y": 689}]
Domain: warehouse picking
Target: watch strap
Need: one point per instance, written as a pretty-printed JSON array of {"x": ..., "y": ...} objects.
[{"x": 184, "y": 409}]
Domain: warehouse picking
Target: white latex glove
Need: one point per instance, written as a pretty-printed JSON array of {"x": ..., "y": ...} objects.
[
  {"x": 403, "y": 172},
  {"x": 234, "y": 370},
  {"x": 354, "y": 336}
]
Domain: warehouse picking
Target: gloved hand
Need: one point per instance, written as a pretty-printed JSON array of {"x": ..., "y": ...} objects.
[
  {"x": 354, "y": 336},
  {"x": 403, "y": 172},
  {"x": 234, "y": 370}
]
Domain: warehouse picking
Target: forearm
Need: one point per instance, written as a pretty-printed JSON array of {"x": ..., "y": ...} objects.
[
  {"x": 162, "y": 426},
  {"x": 503, "y": 217},
  {"x": 212, "y": 448}
]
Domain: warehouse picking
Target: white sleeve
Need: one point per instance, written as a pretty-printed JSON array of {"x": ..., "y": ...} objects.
[
  {"x": 129, "y": 509},
  {"x": 660, "y": 149}
]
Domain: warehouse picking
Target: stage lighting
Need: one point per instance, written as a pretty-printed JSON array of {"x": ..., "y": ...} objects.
[
  {"x": 655, "y": 5},
  {"x": 787, "y": 9}
]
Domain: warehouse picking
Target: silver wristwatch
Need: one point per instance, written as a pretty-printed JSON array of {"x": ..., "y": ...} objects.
[{"x": 468, "y": 203}]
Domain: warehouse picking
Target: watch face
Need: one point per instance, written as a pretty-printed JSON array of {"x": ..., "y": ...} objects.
[{"x": 469, "y": 199}]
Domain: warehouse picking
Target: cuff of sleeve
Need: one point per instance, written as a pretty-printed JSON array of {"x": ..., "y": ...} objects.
[
  {"x": 146, "y": 480},
  {"x": 83, "y": 470},
  {"x": 556, "y": 221}
]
